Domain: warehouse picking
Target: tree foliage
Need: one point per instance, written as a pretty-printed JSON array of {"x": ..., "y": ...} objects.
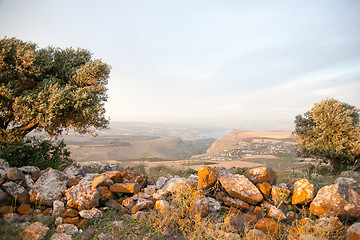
[
  {"x": 330, "y": 131},
  {"x": 50, "y": 89}
]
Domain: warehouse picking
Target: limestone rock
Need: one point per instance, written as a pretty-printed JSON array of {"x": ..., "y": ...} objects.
[
  {"x": 268, "y": 225},
  {"x": 25, "y": 209},
  {"x": 179, "y": 185},
  {"x": 336, "y": 200},
  {"x": 353, "y": 232},
  {"x": 207, "y": 177},
  {"x": 144, "y": 203},
  {"x": 162, "y": 205},
  {"x": 32, "y": 170},
  {"x": 125, "y": 188},
  {"x": 161, "y": 181},
  {"x": 72, "y": 171},
  {"x": 140, "y": 215},
  {"x": 235, "y": 203},
  {"x": 234, "y": 222},
  {"x": 61, "y": 236},
  {"x": 5, "y": 198},
  {"x": 239, "y": 186},
  {"x": 105, "y": 194},
  {"x": 48, "y": 188},
  {"x": 35, "y": 231},
  {"x": 82, "y": 196},
  {"x": 280, "y": 194},
  {"x": 14, "y": 174},
  {"x": 214, "y": 205},
  {"x": 58, "y": 208},
  {"x": 343, "y": 180},
  {"x": 276, "y": 214},
  {"x": 101, "y": 180},
  {"x": 265, "y": 189},
  {"x": 17, "y": 191},
  {"x": 11, "y": 217},
  {"x": 261, "y": 174},
  {"x": 4, "y": 165},
  {"x": 327, "y": 225},
  {"x": 199, "y": 208},
  {"x": 255, "y": 234},
  {"x": 91, "y": 214},
  {"x": 132, "y": 177},
  {"x": 67, "y": 228},
  {"x": 304, "y": 192}
]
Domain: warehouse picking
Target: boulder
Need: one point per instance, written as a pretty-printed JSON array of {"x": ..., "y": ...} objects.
[
  {"x": 239, "y": 186},
  {"x": 18, "y": 192},
  {"x": 261, "y": 174},
  {"x": 304, "y": 192},
  {"x": 255, "y": 234},
  {"x": 234, "y": 223},
  {"x": 343, "y": 180},
  {"x": 207, "y": 177},
  {"x": 353, "y": 232},
  {"x": 276, "y": 213},
  {"x": 67, "y": 228},
  {"x": 125, "y": 188},
  {"x": 25, "y": 209},
  {"x": 14, "y": 174},
  {"x": 268, "y": 225},
  {"x": 101, "y": 181},
  {"x": 162, "y": 205},
  {"x": 82, "y": 196},
  {"x": 4, "y": 165},
  {"x": 161, "y": 181},
  {"x": 58, "y": 208},
  {"x": 48, "y": 188},
  {"x": 5, "y": 198},
  {"x": 144, "y": 203},
  {"x": 105, "y": 194},
  {"x": 214, "y": 205},
  {"x": 72, "y": 171},
  {"x": 280, "y": 194},
  {"x": 32, "y": 170},
  {"x": 336, "y": 200},
  {"x": 35, "y": 231},
  {"x": 180, "y": 185},
  {"x": 91, "y": 214},
  {"x": 327, "y": 225},
  {"x": 235, "y": 203},
  {"x": 199, "y": 208},
  {"x": 265, "y": 189},
  {"x": 132, "y": 177},
  {"x": 61, "y": 236}
]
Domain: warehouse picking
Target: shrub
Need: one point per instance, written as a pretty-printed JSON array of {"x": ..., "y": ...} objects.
[{"x": 36, "y": 152}]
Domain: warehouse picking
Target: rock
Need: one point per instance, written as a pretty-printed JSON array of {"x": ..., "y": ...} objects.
[
  {"x": 235, "y": 203},
  {"x": 199, "y": 208},
  {"x": 265, "y": 189},
  {"x": 162, "y": 205},
  {"x": 25, "y": 209},
  {"x": 61, "y": 236},
  {"x": 91, "y": 214},
  {"x": 37, "y": 230},
  {"x": 5, "y": 198},
  {"x": 214, "y": 205},
  {"x": 113, "y": 204},
  {"x": 304, "y": 192},
  {"x": 161, "y": 181},
  {"x": 207, "y": 177},
  {"x": 140, "y": 215},
  {"x": 72, "y": 220},
  {"x": 327, "y": 225},
  {"x": 336, "y": 200},
  {"x": 58, "y": 208},
  {"x": 70, "y": 212},
  {"x": 234, "y": 223},
  {"x": 72, "y": 182},
  {"x": 239, "y": 186},
  {"x": 125, "y": 188},
  {"x": 308, "y": 236},
  {"x": 18, "y": 192},
  {"x": 255, "y": 234},
  {"x": 280, "y": 194},
  {"x": 132, "y": 177},
  {"x": 48, "y": 188},
  {"x": 353, "y": 232},
  {"x": 4, "y": 165},
  {"x": 160, "y": 194},
  {"x": 268, "y": 225},
  {"x": 32, "y": 170},
  {"x": 350, "y": 174},
  {"x": 129, "y": 202},
  {"x": 72, "y": 171},
  {"x": 103, "y": 236},
  {"x": 29, "y": 181},
  {"x": 117, "y": 224},
  {"x": 11, "y": 217},
  {"x": 82, "y": 196},
  {"x": 261, "y": 174},
  {"x": 14, "y": 174},
  {"x": 343, "y": 180},
  {"x": 101, "y": 180},
  {"x": 180, "y": 185},
  {"x": 67, "y": 228},
  {"x": 276, "y": 214},
  {"x": 83, "y": 223},
  {"x": 144, "y": 203}
]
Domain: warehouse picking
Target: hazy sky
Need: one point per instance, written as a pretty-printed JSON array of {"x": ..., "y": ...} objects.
[{"x": 237, "y": 64}]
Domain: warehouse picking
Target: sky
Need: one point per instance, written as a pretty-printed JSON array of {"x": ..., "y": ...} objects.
[{"x": 251, "y": 65}]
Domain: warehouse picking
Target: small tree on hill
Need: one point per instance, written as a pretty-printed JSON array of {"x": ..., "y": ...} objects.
[
  {"x": 49, "y": 89},
  {"x": 330, "y": 131}
]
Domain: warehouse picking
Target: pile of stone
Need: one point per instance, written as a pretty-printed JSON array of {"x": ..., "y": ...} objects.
[{"x": 76, "y": 196}]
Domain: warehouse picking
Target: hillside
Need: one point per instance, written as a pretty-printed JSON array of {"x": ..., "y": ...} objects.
[
  {"x": 166, "y": 148},
  {"x": 236, "y": 144}
]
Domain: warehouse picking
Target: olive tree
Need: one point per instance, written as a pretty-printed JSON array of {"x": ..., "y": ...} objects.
[
  {"x": 50, "y": 89},
  {"x": 330, "y": 131}
]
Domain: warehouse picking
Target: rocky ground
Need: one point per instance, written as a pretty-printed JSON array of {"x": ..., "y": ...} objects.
[{"x": 212, "y": 204}]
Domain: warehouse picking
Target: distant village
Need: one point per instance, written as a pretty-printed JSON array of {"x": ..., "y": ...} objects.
[{"x": 254, "y": 148}]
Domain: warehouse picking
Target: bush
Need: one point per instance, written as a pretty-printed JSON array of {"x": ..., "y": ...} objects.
[{"x": 36, "y": 152}]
